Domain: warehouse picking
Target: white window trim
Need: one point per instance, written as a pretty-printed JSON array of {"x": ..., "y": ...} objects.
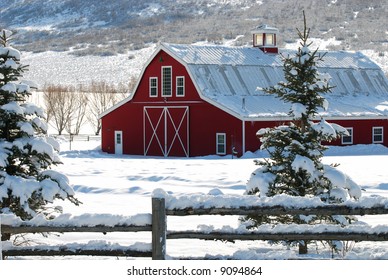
[
  {"x": 183, "y": 86},
  {"x": 163, "y": 94},
  {"x": 350, "y": 130},
  {"x": 156, "y": 87},
  {"x": 382, "y": 134},
  {"x": 218, "y": 143}
]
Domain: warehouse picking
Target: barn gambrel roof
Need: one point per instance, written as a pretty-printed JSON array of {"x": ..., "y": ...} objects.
[{"x": 229, "y": 78}]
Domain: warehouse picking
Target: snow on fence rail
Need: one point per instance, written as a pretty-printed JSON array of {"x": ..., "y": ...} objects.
[
  {"x": 84, "y": 223},
  {"x": 164, "y": 205},
  {"x": 167, "y": 205}
]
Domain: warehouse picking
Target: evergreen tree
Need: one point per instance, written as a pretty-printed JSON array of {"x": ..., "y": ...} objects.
[
  {"x": 27, "y": 184},
  {"x": 295, "y": 149}
]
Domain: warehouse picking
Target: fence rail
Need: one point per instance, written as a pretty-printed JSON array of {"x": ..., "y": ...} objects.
[
  {"x": 160, "y": 233},
  {"x": 307, "y": 236},
  {"x": 297, "y": 233},
  {"x": 282, "y": 210},
  {"x": 63, "y": 251},
  {"x": 74, "y": 249},
  {"x": 63, "y": 229},
  {"x": 78, "y": 137}
]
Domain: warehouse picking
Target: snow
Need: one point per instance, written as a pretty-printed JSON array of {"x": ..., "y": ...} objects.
[
  {"x": 10, "y": 64},
  {"x": 90, "y": 245},
  {"x": 66, "y": 69},
  {"x": 260, "y": 179},
  {"x": 27, "y": 128},
  {"x": 304, "y": 163},
  {"x": 326, "y": 128},
  {"x": 113, "y": 187},
  {"x": 87, "y": 220},
  {"x": 13, "y": 107},
  {"x": 42, "y": 147},
  {"x": 298, "y": 110},
  {"x": 21, "y": 188},
  {"x": 14, "y": 53},
  {"x": 118, "y": 189},
  {"x": 211, "y": 200}
]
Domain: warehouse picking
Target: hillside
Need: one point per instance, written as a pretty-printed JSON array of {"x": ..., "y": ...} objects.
[{"x": 108, "y": 27}]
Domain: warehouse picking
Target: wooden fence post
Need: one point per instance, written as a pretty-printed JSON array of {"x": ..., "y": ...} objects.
[{"x": 159, "y": 228}]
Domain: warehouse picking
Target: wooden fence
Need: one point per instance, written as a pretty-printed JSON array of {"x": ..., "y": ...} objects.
[
  {"x": 293, "y": 233},
  {"x": 77, "y": 249},
  {"x": 160, "y": 232}
]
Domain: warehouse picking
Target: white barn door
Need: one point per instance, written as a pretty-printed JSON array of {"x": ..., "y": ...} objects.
[{"x": 166, "y": 131}]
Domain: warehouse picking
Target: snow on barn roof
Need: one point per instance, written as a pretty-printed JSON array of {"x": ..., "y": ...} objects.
[{"x": 229, "y": 77}]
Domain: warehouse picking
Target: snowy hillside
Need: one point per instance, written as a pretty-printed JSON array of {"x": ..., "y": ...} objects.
[
  {"x": 73, "y": 42},
  {"x": 109, "y": 27},
  {"x": 66, "y": 69}
]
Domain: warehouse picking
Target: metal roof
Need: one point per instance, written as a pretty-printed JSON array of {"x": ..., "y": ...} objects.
[{"x": 229, "y": 77}]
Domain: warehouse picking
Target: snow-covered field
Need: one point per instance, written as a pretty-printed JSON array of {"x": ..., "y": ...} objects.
[{"x": 124, "y": 185}]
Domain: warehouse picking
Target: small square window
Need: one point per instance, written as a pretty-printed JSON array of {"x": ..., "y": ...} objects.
[
  {"x": 378, "y": 135},
  {"x": 348, "y": 139}
]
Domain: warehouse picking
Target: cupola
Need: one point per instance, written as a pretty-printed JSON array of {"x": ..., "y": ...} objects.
[{"x": 264, "y": 38}]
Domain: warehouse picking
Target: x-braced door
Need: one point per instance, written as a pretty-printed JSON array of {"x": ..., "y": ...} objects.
[{"x": 166, "y": 131}]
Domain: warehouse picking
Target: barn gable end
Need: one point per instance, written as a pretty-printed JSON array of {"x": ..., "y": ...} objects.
[{"x": 165, "y": 115}]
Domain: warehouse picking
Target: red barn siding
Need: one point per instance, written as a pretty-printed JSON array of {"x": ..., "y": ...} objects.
[
  {"x": 362, "y": 130},
  {"x": 206, "y": 121}
]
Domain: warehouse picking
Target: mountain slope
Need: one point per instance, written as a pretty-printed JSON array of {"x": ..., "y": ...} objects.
[{"x": 107, "y": 27}]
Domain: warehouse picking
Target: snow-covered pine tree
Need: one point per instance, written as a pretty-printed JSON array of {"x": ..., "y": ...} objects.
[
  {"x": 27, "y": 184},
  {"x": 295, "y": 149}
]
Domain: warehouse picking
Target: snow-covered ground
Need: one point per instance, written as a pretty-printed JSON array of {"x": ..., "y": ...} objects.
[{"x": 123, "y": 185}]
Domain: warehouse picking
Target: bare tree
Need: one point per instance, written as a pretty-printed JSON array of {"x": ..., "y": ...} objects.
[
  {"x": 68, "y": 107},
  {"x": 80, "y": 107},
  {"x": 59, "y": 105},
  {"x": 102, "y": 96}
]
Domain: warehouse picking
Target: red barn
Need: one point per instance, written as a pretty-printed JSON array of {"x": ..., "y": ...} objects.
[{"x": 194, "y": 100}]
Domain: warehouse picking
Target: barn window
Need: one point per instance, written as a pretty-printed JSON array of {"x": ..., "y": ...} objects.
[
  {"x": 378, "y": 135},
  {"x": 259, "y": 40},
  {"x": 348, "y": 139},
  {"x": 269, "y": 39},
  {"x": 153, "y": 87},
  {"x": 180, "y": 86},
  {"x": 221, "y": 143},
  {"x": 118, "y": 138},
  {"x": 166, "y": 81}
]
